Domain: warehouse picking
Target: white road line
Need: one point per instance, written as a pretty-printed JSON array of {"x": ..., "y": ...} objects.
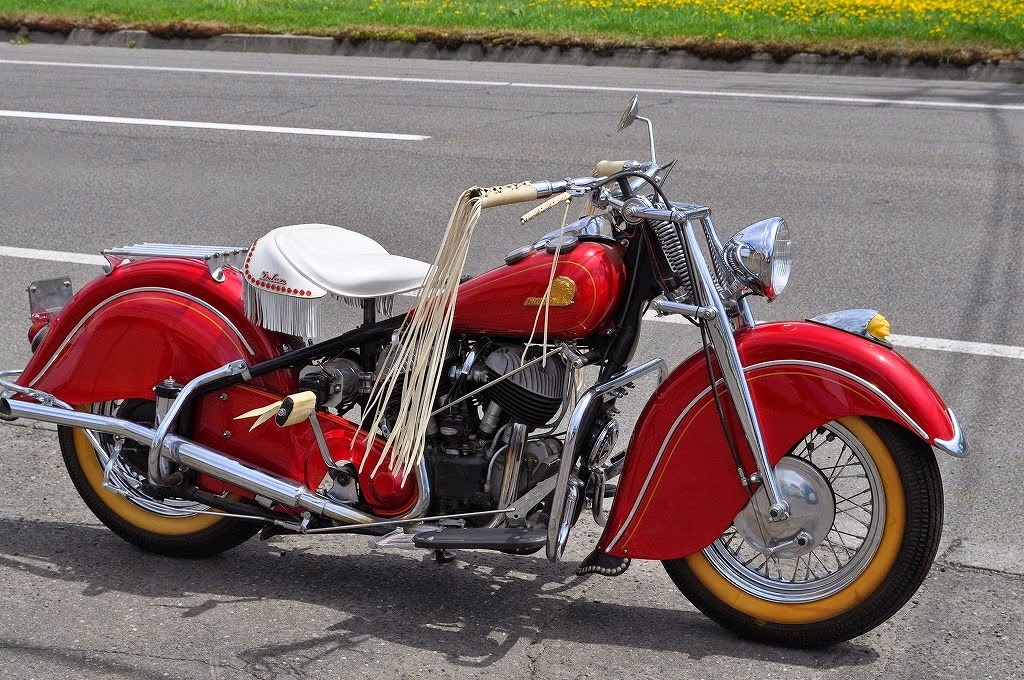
[
  {"x": 51, "y": 255},
  {"x": 821, "y": 99},
  {"x": 40, "y": 115},
  {"x": 940, "y": 345},
  {"x": 937, "y": 344},
  {"x": 651, "y": 315},
  {"x": 246, "y": 72}
]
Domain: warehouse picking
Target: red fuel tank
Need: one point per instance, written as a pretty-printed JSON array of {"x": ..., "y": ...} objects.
[{"x": 585, "y": 294}]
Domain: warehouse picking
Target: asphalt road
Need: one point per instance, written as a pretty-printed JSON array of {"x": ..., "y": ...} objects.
[{"x": 905, "y": 196}]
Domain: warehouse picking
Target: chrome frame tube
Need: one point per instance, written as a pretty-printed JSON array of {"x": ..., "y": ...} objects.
[
  {"x": 155, "y": 472},
  {"x": 556, "y": 537},
  {"x": 514, "y": 455},
  {"x": 403, "y": 522},
  {"x": 732, "y": 371},
  {"x": 422, "y": 492},
  {"x": 42, "y": 397},
  {"x": 202, "y": 459}
]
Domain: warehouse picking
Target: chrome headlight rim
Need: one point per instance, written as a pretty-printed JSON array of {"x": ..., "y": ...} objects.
[{"x": 761, "y": 256}]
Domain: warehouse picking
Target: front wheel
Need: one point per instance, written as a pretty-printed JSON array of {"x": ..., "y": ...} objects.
[{"x": 866, "y": 517}]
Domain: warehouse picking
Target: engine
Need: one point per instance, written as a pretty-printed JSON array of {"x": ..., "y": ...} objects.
[
  {"x": 467, "y": 445},
  {"x": 532, "y": 396}
]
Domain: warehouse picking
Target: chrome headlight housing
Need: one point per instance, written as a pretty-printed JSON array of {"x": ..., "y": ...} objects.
[{"x": 761, "y": 256}]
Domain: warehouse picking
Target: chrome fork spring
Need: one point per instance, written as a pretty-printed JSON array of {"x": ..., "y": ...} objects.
[
  {"x": 672, "y": 247},
  {"x": 715, "y": 249}
]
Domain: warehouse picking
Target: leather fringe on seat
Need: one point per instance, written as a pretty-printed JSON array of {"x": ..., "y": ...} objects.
[
  {"x": 282, "y": 313},
  {"x": 383, "y": 305},
  {"x": 298, "y": 316}
]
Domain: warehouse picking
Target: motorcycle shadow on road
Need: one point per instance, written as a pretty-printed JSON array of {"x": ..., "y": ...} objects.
[{"x": 473, "y": 611}]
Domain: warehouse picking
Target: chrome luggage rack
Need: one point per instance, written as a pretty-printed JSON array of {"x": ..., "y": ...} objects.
[{"x": 214, "y": 257}]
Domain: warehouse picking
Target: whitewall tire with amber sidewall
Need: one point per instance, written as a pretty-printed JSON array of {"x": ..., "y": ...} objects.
[
  {"x": 878, "y": 488},
  {"x": 164, "y": 526}
]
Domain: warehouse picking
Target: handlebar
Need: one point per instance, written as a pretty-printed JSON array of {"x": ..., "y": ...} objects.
[
  {"x": 521, "y": 192},
  {"x": 636, "y": 209},
  {"x": 606, "y": 168},
  {"x": 506, "y": 194}
]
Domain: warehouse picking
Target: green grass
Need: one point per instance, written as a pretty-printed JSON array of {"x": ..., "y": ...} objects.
[{"x": 961, "y": 31}]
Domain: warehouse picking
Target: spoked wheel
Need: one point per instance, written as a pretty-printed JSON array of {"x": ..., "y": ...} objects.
[
  {"x": 165, "y": 526},
  {"x": 866, "y": 516}
]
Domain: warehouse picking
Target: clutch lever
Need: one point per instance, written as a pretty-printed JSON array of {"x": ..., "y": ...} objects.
[
  {"x": 545, "y": 206},
  {"x": 572, "y": 187}
]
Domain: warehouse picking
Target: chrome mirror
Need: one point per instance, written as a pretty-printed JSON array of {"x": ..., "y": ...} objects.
[{"x": 630, "y": 114}]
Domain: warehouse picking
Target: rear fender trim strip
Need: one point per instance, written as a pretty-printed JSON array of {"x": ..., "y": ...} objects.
[{"x": 131, "y": 291}]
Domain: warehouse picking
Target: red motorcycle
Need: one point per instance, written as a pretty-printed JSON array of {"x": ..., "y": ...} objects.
[{"x": 784, "y": 474}]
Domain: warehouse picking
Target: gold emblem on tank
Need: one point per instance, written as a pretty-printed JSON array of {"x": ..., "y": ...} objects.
[{"x": 563, "y": 294}]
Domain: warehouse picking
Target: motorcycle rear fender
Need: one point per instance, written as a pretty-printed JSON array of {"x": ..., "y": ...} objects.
[
  {"x": 145, "y": 322},
  {"x": 680, "y": 488}
]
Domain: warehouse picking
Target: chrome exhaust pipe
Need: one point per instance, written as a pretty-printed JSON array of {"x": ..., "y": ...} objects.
[
  {"x": 202, "y": 459},
  {"x": 199, "y": 458}
]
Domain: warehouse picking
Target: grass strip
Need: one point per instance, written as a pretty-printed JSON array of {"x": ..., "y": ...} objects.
[{"x": 953, "y": 31}]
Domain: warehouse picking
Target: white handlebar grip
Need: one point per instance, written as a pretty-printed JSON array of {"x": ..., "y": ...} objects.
[
  {"x": 605, "y": 168},
  {"x": 509, "y": 193}
]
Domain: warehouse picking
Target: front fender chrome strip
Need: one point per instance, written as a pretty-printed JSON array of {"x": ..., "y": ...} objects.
[
  {"x": 132, "y": 291},
  {"x": 957, "y": 445},
  {"x": 910, "y": 422},
  {"x": 657, "y": 462}
]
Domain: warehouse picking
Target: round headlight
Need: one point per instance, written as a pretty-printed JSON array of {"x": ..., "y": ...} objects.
[{"x": 761, "y": 256}]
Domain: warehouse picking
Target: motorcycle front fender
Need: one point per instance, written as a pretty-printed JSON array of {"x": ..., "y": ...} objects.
[
  {"x": 145, "y": 322},
  {"x": 680, "y": 487}
]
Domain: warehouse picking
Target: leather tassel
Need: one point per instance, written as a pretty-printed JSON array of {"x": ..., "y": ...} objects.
[{"x": 416, "y": 362}]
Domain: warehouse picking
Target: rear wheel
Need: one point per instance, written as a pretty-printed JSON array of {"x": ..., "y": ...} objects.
[
  {"x": 866, "y": 501},
  {"x": 165, "y": 526}
]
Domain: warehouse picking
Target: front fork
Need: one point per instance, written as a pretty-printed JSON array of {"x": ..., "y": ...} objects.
[{"x": 732, "y": 371}]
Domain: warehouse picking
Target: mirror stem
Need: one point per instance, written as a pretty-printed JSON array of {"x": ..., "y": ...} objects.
[{"x": 650, "y": 133}]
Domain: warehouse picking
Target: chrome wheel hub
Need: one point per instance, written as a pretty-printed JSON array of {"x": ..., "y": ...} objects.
[
  {"x": 812, "y": 510},
  {"x": 834, "y": 530},
  {"x": 126, "y": 481}
]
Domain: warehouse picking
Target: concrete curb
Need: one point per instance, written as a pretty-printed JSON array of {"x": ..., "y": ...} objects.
[{"x": 1006, "y": 72}]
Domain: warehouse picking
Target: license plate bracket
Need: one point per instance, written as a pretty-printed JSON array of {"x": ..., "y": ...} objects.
[{"x": 49, "y": 296}]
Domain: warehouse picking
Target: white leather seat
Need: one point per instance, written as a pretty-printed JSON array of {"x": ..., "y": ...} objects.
[{"x": 309, "y": 260}]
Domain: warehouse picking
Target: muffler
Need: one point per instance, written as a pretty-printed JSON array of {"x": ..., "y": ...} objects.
[{"x": 196, "y": 457}]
